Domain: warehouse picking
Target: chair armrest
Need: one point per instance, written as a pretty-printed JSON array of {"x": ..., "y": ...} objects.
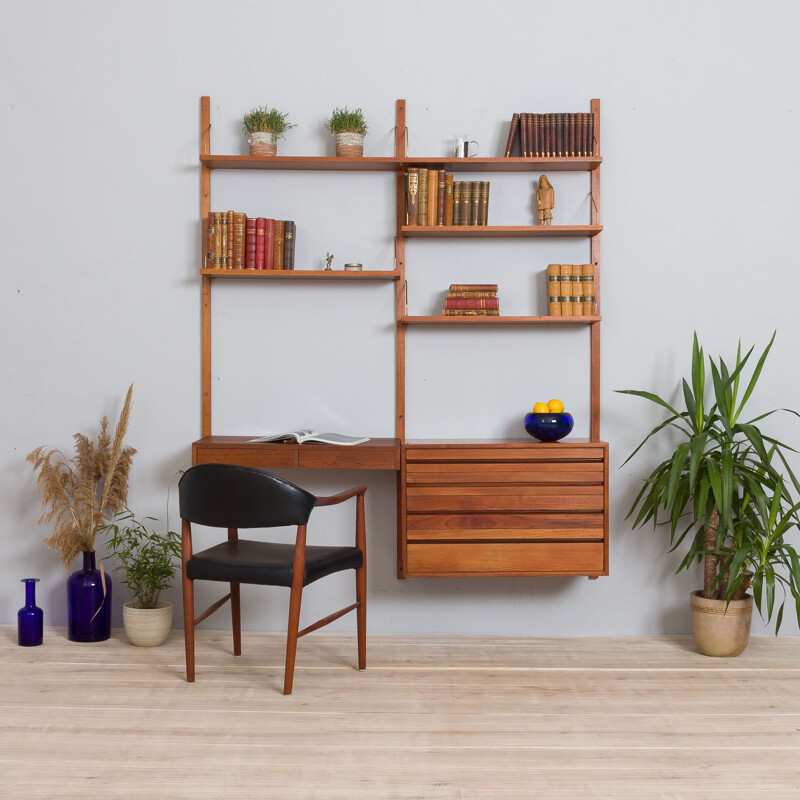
[{"x": 341, "y": 497}]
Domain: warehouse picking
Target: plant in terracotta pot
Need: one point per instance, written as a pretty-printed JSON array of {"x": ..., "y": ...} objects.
[
  {"x": 726, "y": 493},
  {"x": 264, "y": 126},
  {"x": 149, "y": 560},
  {"x": 348, "y": 129},
  {"x": 79, "y": 496}
]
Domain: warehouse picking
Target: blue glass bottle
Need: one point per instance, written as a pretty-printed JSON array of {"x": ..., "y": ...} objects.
[
  {"x": 88, "y": 605},
  {"x": 30, "y": 620}
]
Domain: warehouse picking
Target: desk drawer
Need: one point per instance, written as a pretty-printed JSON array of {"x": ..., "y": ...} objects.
[
  {"x": 487, "y": 558},
  {"x": 505, "y": 498}
]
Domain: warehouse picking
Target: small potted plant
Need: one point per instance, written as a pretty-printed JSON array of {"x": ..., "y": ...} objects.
[
  {"x": 149, "y": 560},
  {"x": 264, "y": 126},
  {"x": 348, "y": 129},
  {"x": 726, "y": 494}
]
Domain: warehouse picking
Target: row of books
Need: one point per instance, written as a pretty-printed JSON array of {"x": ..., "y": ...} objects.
[
  {"x": 472, "y": 300},
  {"x": 236, "y": 241},
  {"x": 434, "y": 198},
  {"x": 552, "y": 135},
  {"x": 570, "y": 290}
]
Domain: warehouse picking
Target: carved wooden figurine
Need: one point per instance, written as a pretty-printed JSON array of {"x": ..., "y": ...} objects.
[{"x": 545, "y": 200}]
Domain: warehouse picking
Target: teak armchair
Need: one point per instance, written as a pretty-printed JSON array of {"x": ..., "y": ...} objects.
[{"x": 233, "y": 497}]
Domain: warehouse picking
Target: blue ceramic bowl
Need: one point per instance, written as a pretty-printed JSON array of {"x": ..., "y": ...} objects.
[{"x": 549, "y": 427}]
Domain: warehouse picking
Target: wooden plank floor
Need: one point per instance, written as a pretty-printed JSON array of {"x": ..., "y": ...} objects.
[{"x": 450, "y": 717}]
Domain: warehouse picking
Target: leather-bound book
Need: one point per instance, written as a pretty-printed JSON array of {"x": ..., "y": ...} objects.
[
  {"x": 554, "y": 290},
  {"x": 280, "y": 226},
  {"x": 456, "y": 202},
  {"x": 210, "y": 239},
  {"x": 223, "y": 247},
  {"x": 577, "y": 290},
  {"x": 250, "y": 243},
  {"x": 466, "y": 201},
  {"x": 483, "y": 216},
  {"x": 592, "y": 144},
  {"x": 475, "y": 209},
  {"x": 566, "y": 290},
  {"x": 412, "y": 196},
  {"x": 513, "y": 130},
  {"x": 589, "y": 300},
  {"x": 535, "y": 149},
  {"x": 585, "y": 138},
  {"x": 473, "y": 287},
  {"x": 470, "y": 312},
  {"x": 523, "y": 134},
  {"x": 269, "y": 245},
  {"x": 545, "y": 135},
  {"x": 289, "y": 236},
  {"x": 422, "y": 213},
  {"x": 572, "y": 137},
  {"x": 239, "y": 221},
  {"x": 229, "y": 252},
  {"x": 471, "y": 302},
  {"x": 433, "y": 194},
  {"x": 472, "y": 294},
  {"x": 261, "y": 233},
  {"x": 559, "y": 135},
  {"x": 440, "y": 198},
  {"x": 448, "y": 198}
]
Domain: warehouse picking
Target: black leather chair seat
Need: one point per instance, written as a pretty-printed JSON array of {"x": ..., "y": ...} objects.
[{"x": 268, "y": 563}]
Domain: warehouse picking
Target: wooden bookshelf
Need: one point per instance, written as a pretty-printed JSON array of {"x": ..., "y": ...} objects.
[{"x": 499, "y": 507}]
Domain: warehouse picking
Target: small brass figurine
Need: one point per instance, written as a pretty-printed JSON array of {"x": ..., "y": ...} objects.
[
  {"x": 328, "y": 261},
  {"x": 545, "y": 200}
]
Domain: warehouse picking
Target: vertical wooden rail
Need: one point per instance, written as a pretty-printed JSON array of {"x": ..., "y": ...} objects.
[
  {"x": 205, "y": 308},
  {"x": 594, "y": 328},
  {"x": 400, "y": 266}
]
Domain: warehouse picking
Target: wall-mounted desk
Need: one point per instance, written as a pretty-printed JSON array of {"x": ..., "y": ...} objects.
[{"x": 374, "y": 454}]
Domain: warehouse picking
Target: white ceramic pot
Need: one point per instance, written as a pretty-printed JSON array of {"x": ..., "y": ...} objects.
[
  {"x": 349, "y": 144},
  {"x": 263, "y": 143},
  {"x": 147, "y": 627},
  {"x": 720, "y": 628}
]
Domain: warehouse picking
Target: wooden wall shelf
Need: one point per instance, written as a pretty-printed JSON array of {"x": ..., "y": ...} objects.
[
  {"x": 505, "y": 164},
  {"x": 501, "y": 320},
  {"x": 303, "y": 274},
  {"x": 489, "y": 231},
  {"x": 320, "y": 163}
]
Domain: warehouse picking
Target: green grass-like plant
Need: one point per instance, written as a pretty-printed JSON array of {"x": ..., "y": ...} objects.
[
  {"x": 343, "y": 120},
  {"x": 148, "y": 557},
  {"x": 730, "y": 482},
  {"x": 266, "y": 119}
]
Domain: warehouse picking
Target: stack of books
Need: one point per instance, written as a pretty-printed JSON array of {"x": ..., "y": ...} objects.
[
  {"x": 552, "y": 135},
  {"x": 570, "y": 290},
  {"x": 472, "y": 300},
  {"x": 236, "y": 241},
  {"x": 433, "y": 198}
]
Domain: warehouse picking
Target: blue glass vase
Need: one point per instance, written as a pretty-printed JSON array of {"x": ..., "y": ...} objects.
[
  {"x": 88, "y": 604},
  {"x": 30, "y": 620}
]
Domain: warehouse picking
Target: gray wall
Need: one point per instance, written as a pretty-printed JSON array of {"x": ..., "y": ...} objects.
[{"x": 101, "y": 236}]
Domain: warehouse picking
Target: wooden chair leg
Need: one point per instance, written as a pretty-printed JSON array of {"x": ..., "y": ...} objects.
[
  {"x": 361, "y": 585},
  {"x": 188, "y": 626},
  {"x": 236, "y": 619},
  {"x": 291, "y": 636}
]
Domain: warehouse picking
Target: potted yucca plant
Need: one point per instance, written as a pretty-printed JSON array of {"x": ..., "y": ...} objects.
[
  {"x": 148, "y": 559},
  {"x": 348, "y": 129},
  {"x": 264, "y": 126},
  {"x": 727, "y": 493},
  {"x": 79, "y": 496}
]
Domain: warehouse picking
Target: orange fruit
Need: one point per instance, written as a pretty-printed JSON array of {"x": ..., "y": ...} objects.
[
  {"x": 555, "y": 406},
  {"x": 541, "y": 408}
]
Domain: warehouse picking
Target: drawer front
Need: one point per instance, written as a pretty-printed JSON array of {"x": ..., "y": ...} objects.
[
  {"x": 473, "y": 472},
  {"x": 533, "y": 558},
  {"x": 263, "y": 458},
  {"x": 310, "y": 457},
  {"x": 445, "y": 499},
  {"x": 504, "y": 527},
  {"x": 531, "y": 452}
]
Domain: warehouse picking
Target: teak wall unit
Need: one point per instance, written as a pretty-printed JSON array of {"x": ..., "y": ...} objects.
[{"x": 511, "y": 507}]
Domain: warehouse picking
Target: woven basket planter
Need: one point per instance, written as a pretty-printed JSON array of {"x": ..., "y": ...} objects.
[
  {"x": 349, "y": 145},
  {"x": 263, "y": 143},
  {"x": 720, "y": 628},
  {"x": 147, "y": 627}
]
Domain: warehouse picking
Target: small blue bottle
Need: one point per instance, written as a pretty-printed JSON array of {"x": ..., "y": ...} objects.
[{"x": 30, "y": 620}]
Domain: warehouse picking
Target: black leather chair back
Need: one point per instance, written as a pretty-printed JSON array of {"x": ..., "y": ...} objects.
[{"x": 229, "y": 496}]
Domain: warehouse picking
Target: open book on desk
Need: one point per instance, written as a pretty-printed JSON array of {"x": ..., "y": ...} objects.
[{"x": 312, "y": 436}]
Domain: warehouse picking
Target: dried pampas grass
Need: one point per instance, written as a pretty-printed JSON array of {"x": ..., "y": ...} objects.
[{"x": 80, "y": 495}]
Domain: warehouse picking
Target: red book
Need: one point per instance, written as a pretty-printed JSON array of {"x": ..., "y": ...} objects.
[
  {"x": 472, "y": 302},
  {"x": 261, "y": 229},
  {"x": 269, "y": 245},
  {"x": 250, "y": 243}
]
